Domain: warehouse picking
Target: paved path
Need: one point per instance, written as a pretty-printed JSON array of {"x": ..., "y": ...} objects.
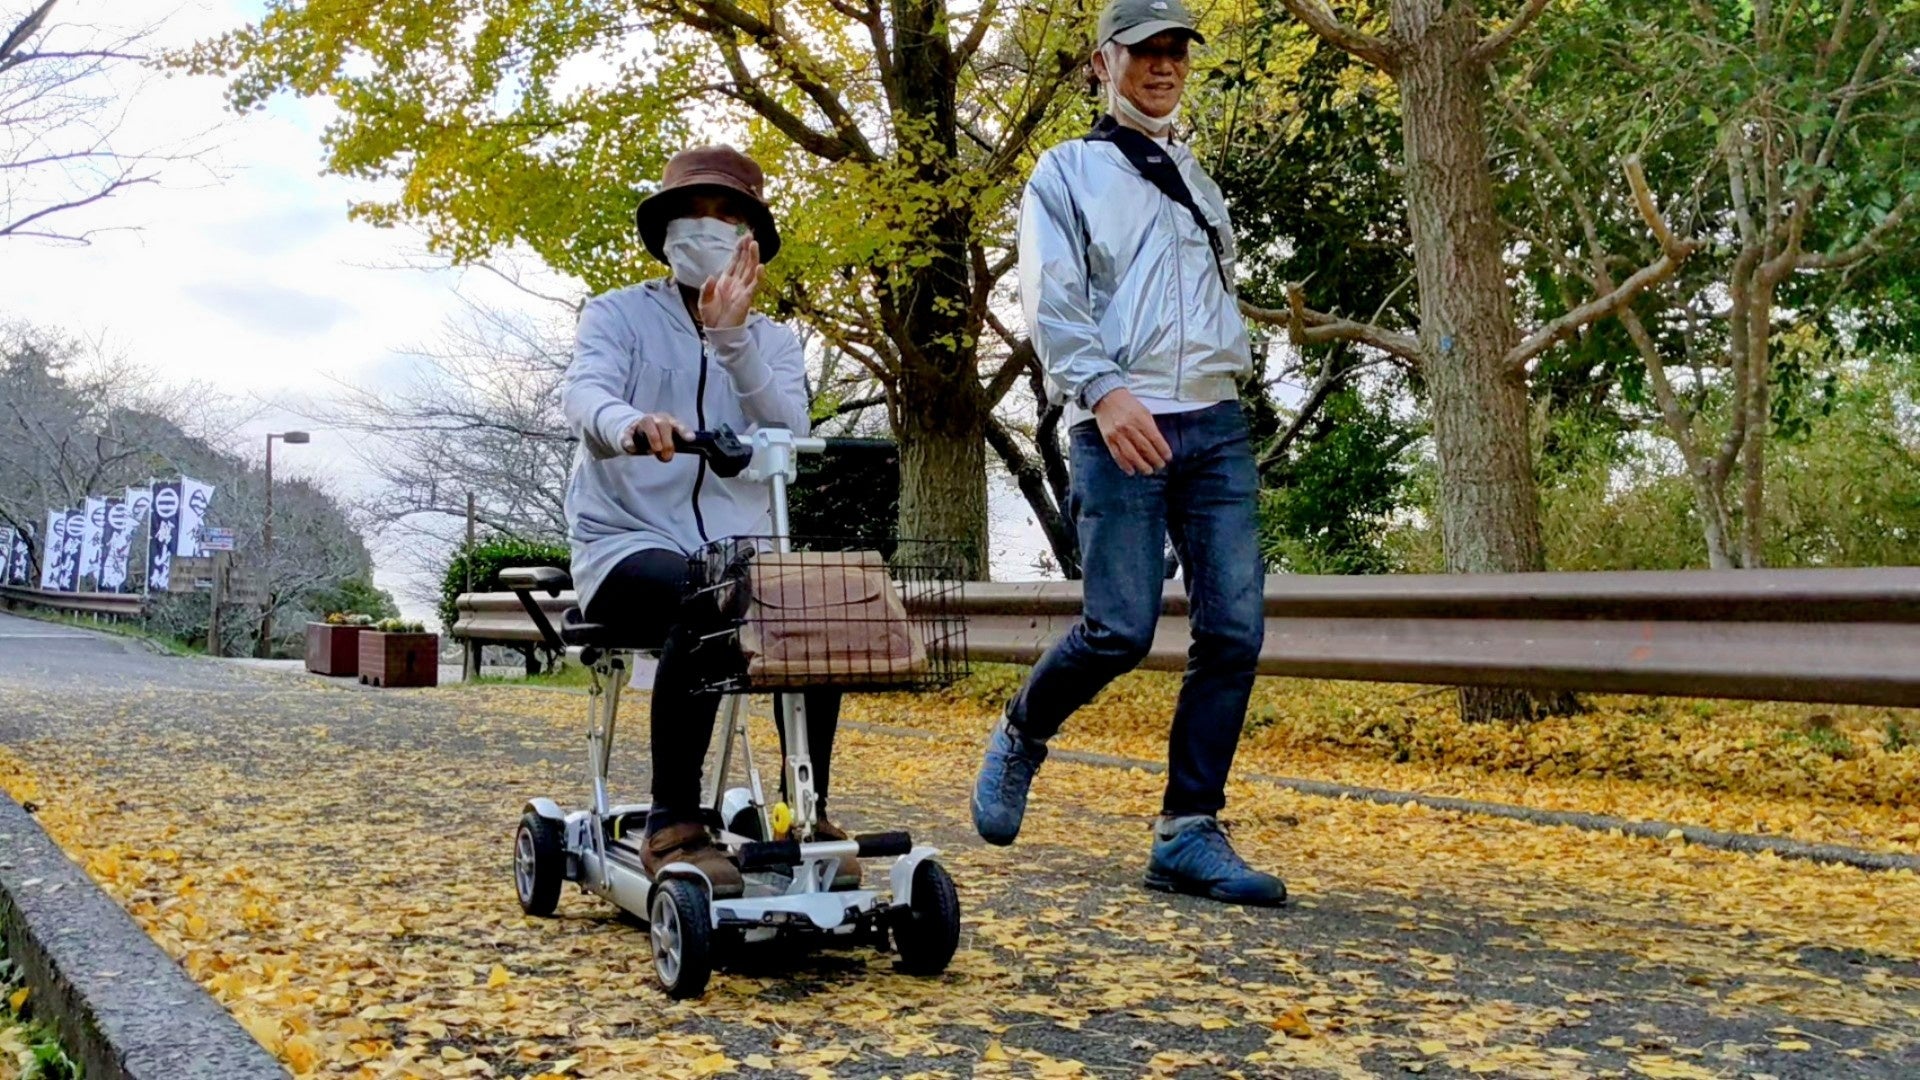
[{"x": 335, "y": 865}]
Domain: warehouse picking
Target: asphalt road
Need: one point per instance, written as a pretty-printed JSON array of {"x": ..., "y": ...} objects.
[{"x": 1399, "y": 957}]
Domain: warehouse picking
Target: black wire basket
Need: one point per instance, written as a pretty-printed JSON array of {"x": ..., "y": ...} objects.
[{"x": 830, "y": 613}]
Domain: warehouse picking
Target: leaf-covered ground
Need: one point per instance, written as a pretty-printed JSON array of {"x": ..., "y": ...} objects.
[
  {"x": 334, "y": 865},
  {"x": 1815, "y": 773}
]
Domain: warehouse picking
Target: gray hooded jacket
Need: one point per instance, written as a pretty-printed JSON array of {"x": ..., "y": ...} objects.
[{"x": 638, "y": 352}]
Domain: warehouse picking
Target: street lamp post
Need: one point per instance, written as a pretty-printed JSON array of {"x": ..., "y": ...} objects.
[{"x": 293, "y": 438}]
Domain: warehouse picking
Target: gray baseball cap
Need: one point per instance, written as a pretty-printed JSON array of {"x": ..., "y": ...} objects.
[{"x": 1131, "y": 22}]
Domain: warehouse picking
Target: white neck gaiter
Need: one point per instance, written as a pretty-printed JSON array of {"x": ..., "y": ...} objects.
[
  {"x": 700, "y": 248},
  {"x": 1123, "y": 108}
]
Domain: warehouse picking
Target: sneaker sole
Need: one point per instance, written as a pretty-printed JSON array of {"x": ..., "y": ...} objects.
[
  {"x": 1183, "y": 887},
  {"x": 996, "y": 841}
]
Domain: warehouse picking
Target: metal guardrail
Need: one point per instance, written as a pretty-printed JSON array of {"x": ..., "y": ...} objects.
[
  {"x": 122, "y": 605},
  {"x": 1839, "y": 637}
]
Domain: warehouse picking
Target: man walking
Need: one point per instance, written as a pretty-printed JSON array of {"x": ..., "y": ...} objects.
[{"x": 1126, "y": 276}]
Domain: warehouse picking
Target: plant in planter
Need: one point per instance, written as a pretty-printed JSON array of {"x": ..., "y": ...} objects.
[
  {"x": 399, "y": 653},
  {"x": 333, "y": 646}
]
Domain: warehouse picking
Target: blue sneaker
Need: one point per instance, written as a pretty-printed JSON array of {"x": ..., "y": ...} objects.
[
  {"x": 1199, "y": 860},
  {"x": 1000, "y": 792}
]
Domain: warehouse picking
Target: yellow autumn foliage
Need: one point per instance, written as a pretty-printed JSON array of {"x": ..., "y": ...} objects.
[{"x": 1851, "y": 754}]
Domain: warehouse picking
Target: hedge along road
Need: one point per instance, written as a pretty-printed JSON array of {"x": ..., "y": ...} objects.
[{"x": 334, "y": 864}]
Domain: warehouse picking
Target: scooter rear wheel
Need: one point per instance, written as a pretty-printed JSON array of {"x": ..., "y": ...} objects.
[
  {"x": 539, "y": 864},
  {"x": 681, "y": 927},
  {"x": 927, "y": 933}
]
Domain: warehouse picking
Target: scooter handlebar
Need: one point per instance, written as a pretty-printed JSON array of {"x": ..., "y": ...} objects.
[
  {"x": 723, "y": 451},
  {"x": 727, "y": 455}
]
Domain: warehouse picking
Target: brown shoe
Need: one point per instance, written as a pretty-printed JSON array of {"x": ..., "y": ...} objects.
[
  {"x": 847, "y": 875},
  {"x": 689, "y": 842}
]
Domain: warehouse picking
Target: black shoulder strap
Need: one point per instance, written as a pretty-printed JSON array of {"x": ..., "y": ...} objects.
[{"x": 1153, "y": 162}]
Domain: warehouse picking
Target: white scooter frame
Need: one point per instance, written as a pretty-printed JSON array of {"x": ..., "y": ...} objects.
[{"x": 788, "y": 884}]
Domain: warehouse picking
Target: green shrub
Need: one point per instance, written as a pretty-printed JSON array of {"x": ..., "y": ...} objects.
[
  {"x": 486, "y": 559},
  {"x": 354, "y": 596}
]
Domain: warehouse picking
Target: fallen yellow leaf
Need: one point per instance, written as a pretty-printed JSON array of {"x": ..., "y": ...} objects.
[
  {"x": 301, "y": 1055},
  {"x": 498, "y": 978}
]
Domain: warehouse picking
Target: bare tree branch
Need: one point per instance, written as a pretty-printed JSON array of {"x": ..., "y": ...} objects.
[
  {"x": 1332, "y": 377},
  {"x": 1031, "y": 480},
  {"x": 976, "y": 34},
  {"x": 64, "y": 125},
  {"x": 746, "y": 89},
  {"x": 1674, "y": 252},
  {"x": 24, "y": 30},
  {"x": 113, "y": 187},
  {"x": 1495, "y": 45},
  {"x": 1308, "y": 327},
  {"x": 1868, "y": 246},
  {"x": 1003, "y": 380},
  {"x": 1379, "y": 52}
]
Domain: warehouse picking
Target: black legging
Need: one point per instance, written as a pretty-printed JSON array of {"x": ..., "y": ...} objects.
[{"x": 649, "y": 586}]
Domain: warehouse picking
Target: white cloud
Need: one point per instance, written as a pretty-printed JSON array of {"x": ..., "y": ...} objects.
[{"x": 272, "y": 309}]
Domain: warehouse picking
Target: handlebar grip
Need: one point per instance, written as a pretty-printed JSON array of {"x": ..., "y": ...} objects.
[
  {"x": 722, "y": 450},
  {"x": 884, "y": 845},
  {"x": 767, "y": 854},
  {"x": 849, "y": 443}
]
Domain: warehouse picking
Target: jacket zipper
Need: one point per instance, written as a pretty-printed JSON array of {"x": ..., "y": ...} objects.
[
  {"x": 700, "y": 415},
  {"x": 1180, "y": 295}
]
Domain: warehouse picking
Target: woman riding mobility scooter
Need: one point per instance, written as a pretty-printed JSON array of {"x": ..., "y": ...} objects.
[{"x": 772, "y": 619}]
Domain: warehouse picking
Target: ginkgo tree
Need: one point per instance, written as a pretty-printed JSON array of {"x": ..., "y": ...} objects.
[
  {"x": 1470, "y": 349},
  {"x": 895, "y": 134}
]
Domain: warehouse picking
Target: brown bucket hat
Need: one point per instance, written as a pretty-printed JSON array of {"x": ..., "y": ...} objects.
[{"x": 708, "y": 170}]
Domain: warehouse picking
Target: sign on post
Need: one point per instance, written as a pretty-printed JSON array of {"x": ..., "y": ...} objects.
[{"x": 212, "y": 539}]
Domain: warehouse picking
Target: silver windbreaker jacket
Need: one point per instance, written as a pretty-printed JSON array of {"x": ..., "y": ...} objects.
[{"x": 1119, "y": 283}]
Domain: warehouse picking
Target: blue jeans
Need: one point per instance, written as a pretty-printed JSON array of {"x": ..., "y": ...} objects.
[{"x": 1205, "y": 499}]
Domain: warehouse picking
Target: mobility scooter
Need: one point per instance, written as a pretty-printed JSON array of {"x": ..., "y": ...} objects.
[{"x": 779, "y": 620}]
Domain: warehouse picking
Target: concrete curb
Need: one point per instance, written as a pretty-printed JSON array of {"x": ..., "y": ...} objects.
[{"x": 123, "y": 1008}]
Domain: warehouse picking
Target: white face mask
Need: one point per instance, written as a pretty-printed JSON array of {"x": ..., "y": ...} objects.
[
  {"x": 1122, "y": 107},
  {"x": 700, "y": 248}
]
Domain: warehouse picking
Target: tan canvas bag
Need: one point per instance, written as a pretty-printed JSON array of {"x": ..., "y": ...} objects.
[{"x": 825, "y": 618}]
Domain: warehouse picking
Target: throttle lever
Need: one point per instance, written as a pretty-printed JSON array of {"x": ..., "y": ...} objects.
[{"x": 722, "y": 450}]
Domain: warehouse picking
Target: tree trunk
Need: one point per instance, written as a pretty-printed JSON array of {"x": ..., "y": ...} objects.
[
  {"x": 942, "y": 411},
  {"x": 1759, "y": 359},
  {"x": 1713, "y": 517},
  {"x": 943, "y": 486},
  {"x": 1489, "y": 506}
]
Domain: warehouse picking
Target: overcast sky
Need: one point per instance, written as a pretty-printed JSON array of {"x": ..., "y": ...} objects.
[{"x": 248, "y": 275}]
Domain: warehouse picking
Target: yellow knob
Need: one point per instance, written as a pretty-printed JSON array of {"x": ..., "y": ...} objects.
[{"x": 781, "y": 818}]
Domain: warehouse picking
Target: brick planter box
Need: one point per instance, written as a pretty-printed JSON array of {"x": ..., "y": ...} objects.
[
  {"x": 333, "y": 650},
  {"x": 399, "y": 659}
]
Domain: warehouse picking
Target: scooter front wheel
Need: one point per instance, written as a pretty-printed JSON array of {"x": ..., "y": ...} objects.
[
  {"x": 681, "y": 926},
  {"x": 927, "y": 932}
]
